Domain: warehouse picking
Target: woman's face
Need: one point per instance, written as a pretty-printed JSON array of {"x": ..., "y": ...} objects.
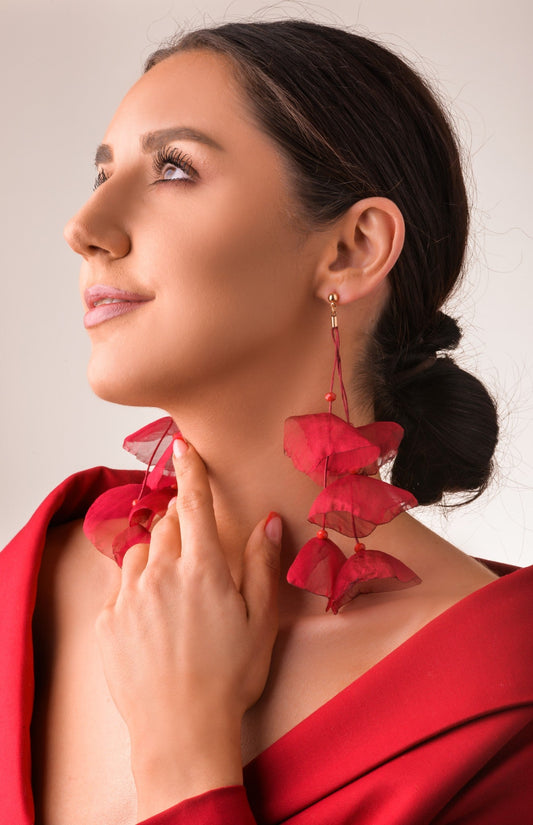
[{"x": 193, "y": 216}]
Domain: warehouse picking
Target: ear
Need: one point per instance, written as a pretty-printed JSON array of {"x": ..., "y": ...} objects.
[{"x": 361, "y": 249}]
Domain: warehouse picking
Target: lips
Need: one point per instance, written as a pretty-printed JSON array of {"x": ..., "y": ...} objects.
[{"x": 105, "y": 302}]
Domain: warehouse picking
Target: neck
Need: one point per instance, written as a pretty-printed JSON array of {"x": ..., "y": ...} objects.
[{"x": 238, "y": 431}]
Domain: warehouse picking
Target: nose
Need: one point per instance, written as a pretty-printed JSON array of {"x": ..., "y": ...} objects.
[{"x": 97, "y": 230}]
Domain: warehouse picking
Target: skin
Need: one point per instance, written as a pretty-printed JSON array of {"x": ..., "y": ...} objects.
[{"x": 199, "y": 642}]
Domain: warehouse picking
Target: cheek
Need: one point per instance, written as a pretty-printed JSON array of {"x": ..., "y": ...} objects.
[
  {"x": 229, "y": 284},
  {"x": 234, "y": 261}
]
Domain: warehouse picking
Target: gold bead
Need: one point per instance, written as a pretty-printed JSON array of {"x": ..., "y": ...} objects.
[{"x": 333, "y": 297}]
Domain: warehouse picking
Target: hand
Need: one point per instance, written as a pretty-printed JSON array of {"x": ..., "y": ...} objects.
[{"x": 185, "y": 652}]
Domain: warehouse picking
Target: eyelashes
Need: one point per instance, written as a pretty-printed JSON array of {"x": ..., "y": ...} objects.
[
  {"x": 100, "y": 178},
  {"x": 165, "y": 160},
  {"x": 169, "y": 156}
]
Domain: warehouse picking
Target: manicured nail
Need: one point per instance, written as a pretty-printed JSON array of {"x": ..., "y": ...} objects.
[
  {"x": 172, "y": 503},
  {"x": 179, "y": 445},
  {"x": 273, "y": 528}
]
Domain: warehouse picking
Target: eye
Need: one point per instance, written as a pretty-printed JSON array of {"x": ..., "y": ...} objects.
[
  {"x": 171, "y": 164},
  {"x": 100, "y": 178}
]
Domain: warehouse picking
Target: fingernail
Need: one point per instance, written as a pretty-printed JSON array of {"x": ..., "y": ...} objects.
[
  {"x": 179, "y": 445},
  {"x": 172, "y": 503},
  {"x": 273, "y": 528}
]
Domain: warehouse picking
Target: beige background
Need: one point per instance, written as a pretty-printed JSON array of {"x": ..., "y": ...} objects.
[{"x": 65, "y": 66}]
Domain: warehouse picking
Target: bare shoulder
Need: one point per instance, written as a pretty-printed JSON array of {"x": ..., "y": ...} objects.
[
  {"x": 73, "y": 571},
  {"x": 66, "y": 538},
  {"x": 447, "y": 572}
]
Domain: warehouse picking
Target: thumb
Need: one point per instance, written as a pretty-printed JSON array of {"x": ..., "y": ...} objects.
[{"x": 261, "y": 572}]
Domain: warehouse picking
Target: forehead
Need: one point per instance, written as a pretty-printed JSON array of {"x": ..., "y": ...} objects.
[{"x": 191, "y": 88}]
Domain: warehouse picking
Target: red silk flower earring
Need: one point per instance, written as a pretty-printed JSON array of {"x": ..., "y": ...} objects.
[{"x": 342, "y": 458}]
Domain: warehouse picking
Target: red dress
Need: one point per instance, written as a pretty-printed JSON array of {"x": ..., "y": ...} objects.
[{"x": 440, "y": 731}]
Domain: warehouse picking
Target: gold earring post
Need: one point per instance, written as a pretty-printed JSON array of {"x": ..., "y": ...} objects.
[{"x": 333, "y": 298}]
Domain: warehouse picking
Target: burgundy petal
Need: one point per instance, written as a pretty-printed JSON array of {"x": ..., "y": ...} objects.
[
  {"x": 108, "y": 515},
  {"x": 310, "y": 439},
  {"x": 135, "y": 534},
  {"x": 316, "y": 566},
  {"x": 386, "y": 435},
  {"x": 355, "y": 504},
  {"x": 163, "y": 471},
  {"x": 370, "y": 571},
  {"x": 150, "y": 505},
  {"x": 143, "y": 442}
]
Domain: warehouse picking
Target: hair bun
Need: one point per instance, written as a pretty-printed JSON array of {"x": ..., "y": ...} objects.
[
  {"x": 451, "y": 429},
  {"x": 399, "y": 363},
  {"x": 444, "y": 335}
]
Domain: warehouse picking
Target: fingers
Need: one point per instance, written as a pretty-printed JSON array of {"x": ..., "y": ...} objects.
[
  {"x": 134, "y": 562},
  {"x": 188, "y": 526},
  {"x": 188, "y": 530},
  {"x": 261, "y": 572},
  {"x": 194, "y": 503},
  {"x": 165, "y": 544}
]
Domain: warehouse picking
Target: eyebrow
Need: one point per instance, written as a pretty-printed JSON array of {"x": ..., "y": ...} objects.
[{"x": 151, "y": 141}]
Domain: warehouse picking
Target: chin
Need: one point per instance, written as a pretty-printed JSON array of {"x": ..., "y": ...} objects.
[
  {"x": 114, "y": 393},
  {"x": 118, "y": 384},
  {"x": 132, "y": 381}
]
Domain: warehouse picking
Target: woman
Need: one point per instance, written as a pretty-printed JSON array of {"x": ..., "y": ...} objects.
[{"x": 262, "y": 189}]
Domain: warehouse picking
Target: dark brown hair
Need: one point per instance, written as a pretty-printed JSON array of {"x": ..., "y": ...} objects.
[{"x": 355, "y": 121}]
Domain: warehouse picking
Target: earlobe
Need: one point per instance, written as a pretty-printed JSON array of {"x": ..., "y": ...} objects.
[{"x": 361, "y": 249}]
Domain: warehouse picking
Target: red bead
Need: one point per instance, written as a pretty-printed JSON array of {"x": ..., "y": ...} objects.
[
  {"x": 359, "y": 546},
  {"x": 330, "y": 396},
  {"x": 321, "y": 534}
]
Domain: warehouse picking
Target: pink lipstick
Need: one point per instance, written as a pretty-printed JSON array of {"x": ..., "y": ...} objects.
[{"x": 106, "y": 302}]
